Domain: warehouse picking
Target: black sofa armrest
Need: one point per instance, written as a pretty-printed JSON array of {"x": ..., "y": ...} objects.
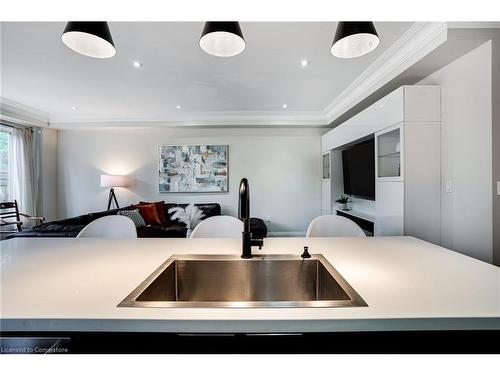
[
  {"x": 28, "y": 233},
  {"x": 74, "y": 223}
]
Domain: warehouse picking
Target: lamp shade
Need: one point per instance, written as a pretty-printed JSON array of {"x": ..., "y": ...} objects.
[
  {"x": 108, "y": 180},
  {"x": 89, "y": 38},
  {"x": 222, "y": 39},
  {"x": 354, "y": 39}
]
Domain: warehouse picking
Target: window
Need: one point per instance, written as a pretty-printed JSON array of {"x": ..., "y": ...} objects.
[{"x": 5, "y": 164}]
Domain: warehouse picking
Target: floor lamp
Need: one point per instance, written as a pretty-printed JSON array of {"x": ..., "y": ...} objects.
[{"x": 113, "y": 181}]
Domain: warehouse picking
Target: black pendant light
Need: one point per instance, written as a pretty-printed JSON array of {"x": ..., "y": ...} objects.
[
  {"x": 90, "y": 39},
  {"x": 354, "y": 39},
  {"x": 223, "y": 39}
]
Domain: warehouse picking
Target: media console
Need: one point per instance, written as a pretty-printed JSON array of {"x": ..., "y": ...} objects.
[{"x": 364, "y": 220}]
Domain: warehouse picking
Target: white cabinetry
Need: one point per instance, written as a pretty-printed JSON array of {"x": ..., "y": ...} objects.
[
  {"x": 389, "y": 146},
  {"x": 422, "y": 180},
  {"x": 326, "y": 202},
  {"x": 389, "y": 210},
  {"x": 406, "y": 126},
  {"x": 336, "y": 178}
]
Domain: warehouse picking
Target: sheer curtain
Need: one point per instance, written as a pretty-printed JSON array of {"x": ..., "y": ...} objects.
[{"x": 24, "y": 184}]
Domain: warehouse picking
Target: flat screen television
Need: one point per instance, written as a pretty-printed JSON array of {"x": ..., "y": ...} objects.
[{"x": 358, "y": 164}]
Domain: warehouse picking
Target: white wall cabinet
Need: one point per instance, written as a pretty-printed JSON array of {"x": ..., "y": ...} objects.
[
  {"x": 326, "y": 201},
  {"x": 326, "y": 165},
  {"x": 408, "y": 194},
  {"x": 337, "y": 178},
  {"x": 389, "y": 148},
  {"x": 389, "y": 210},
  {"x": 326, "y": 197},
  {"x": 406, "y": 126},
  {"x": 422, "y": 180}
]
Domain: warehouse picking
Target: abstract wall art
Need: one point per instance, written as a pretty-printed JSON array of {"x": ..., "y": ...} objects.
[{"x": 193, "y": 169}]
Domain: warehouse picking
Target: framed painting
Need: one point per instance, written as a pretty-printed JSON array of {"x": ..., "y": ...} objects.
[{"x": 193, "y": 169}]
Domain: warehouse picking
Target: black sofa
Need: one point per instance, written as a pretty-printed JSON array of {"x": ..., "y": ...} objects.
[{"x": 171, "y": 229}]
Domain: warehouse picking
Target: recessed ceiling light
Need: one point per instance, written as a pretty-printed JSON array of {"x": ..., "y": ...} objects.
[
  {"x": 304, "y": 63},
  {"x": 137, "y": 64},
  {"x": 285, "y": 106},
  {"x": 73, "y": 108},
  {"x": 381, "y": 106},
  {"x": 178, "y": 106}
]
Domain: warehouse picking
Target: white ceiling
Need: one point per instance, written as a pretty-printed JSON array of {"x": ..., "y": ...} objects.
[{"x": 39, "y": 71}]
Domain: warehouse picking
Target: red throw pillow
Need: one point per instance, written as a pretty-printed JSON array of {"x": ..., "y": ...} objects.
[
  {"x": 160, "y": 210},
  {"x": 148, "y": 213}
]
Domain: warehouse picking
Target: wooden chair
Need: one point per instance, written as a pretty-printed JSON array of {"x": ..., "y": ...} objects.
[{"x": 10, "y": 210}]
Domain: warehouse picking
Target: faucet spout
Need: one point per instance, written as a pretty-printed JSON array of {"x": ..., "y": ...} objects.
[
  {"x": 244, "y": 215},
  {"x": 244, "y": 204}
]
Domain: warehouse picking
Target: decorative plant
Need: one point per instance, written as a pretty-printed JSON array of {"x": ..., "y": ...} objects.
[
  {"x": 343, "y": 199},
  {"x": 190, "y": 215}
]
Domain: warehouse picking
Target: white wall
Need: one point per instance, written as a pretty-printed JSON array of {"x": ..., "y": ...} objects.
[
  {"x": 49, "y": 173},
  {"x": 283, "y": 167},
  {"x": 466, "y": 152}
]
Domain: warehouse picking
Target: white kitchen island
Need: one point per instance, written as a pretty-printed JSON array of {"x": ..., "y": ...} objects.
[{"x": 76, "y": 284}]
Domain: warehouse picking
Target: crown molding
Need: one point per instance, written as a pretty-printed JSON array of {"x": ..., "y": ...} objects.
[
  {"x": 186, "y": 125},
  {"x": 275, "y": 129},
  {"x": 309, "y": 119},
  {"x": 18, "y": 113},
  {"x": 473, "y": 25},
  {"x": 420, "y": 39}
]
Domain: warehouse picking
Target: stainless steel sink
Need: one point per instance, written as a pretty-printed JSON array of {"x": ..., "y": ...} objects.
[{"x": 229, "y": 281}]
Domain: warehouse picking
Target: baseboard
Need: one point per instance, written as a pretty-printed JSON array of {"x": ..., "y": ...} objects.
[{"x": 286, "y": 234}]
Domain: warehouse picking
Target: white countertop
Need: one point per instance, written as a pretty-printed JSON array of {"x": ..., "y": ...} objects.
[{"x": 75, "y": 284}]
